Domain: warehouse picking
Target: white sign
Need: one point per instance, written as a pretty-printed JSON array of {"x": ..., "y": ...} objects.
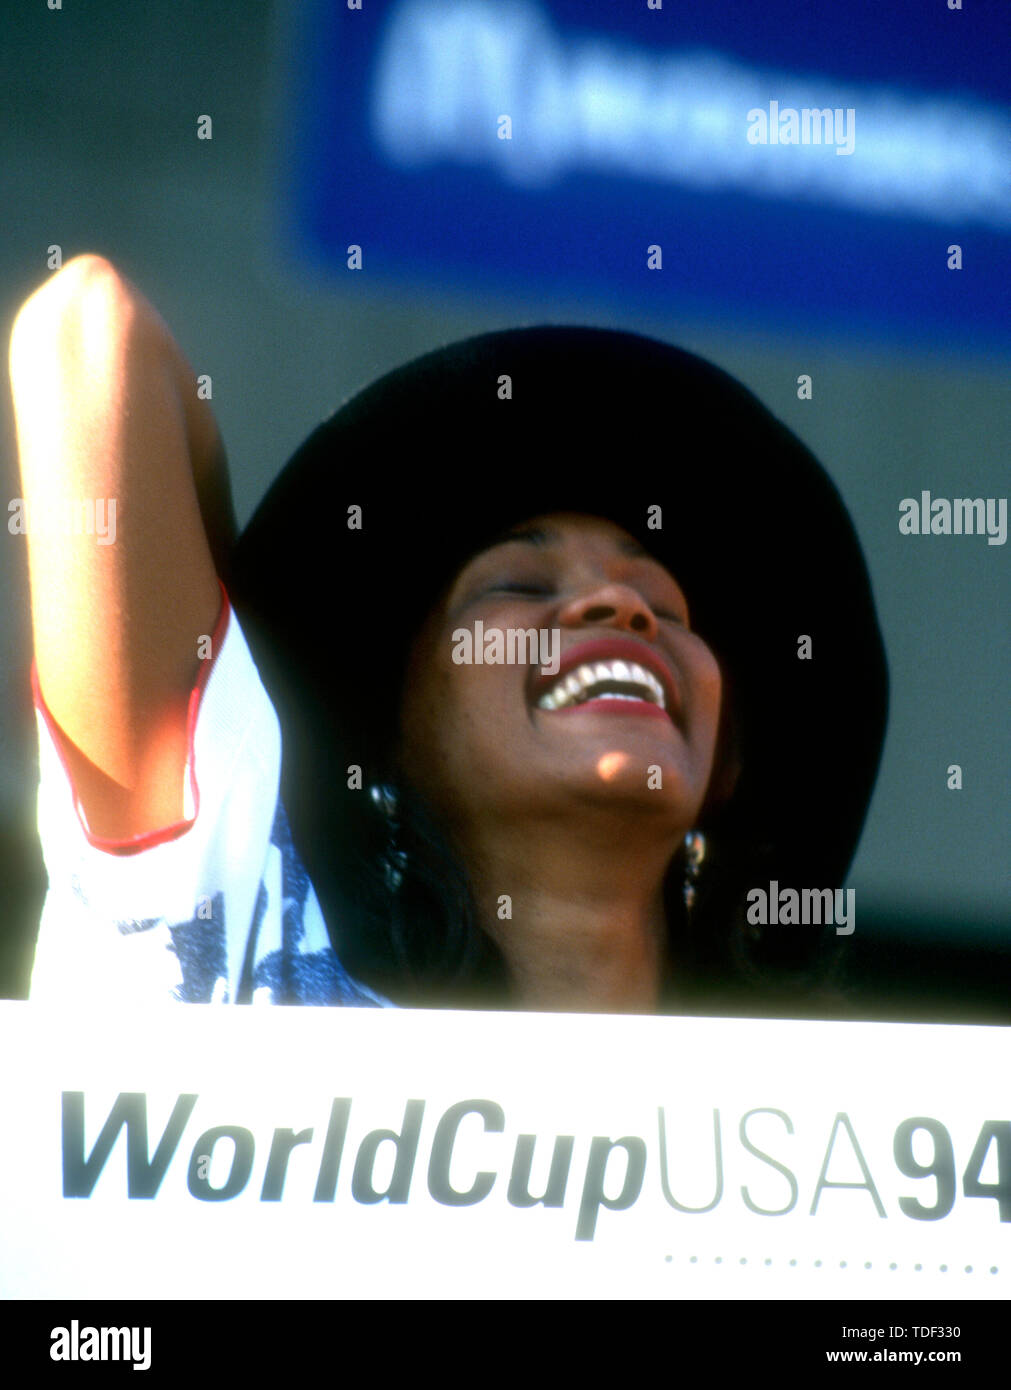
[{"x": 194, "y": 1152}]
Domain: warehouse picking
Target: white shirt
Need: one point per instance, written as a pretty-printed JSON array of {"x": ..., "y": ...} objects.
[{"x": 215, "y": 909}]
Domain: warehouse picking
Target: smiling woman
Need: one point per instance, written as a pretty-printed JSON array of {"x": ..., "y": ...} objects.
[
  {"x": 567, "y": 793},
  {"x": 347, "y": 810},
  {"x": 536, "y": 834}
]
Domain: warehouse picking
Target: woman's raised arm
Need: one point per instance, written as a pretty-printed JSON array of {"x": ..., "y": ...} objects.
[{"x": 122, "y": 469}]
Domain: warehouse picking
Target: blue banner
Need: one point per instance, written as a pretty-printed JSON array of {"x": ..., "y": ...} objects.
[{"x": 846, "y": 168}]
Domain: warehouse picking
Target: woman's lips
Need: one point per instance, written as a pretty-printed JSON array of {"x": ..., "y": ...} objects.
[{"x": 609, "y": 704}]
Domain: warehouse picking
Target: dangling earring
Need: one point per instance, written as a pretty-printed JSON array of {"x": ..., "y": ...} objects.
[
  {"x": 695, "y": 853},
  {"x": 384, "y": 796}
]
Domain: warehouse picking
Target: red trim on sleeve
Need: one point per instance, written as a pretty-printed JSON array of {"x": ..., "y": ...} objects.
[{"x": 133, "y": 844}]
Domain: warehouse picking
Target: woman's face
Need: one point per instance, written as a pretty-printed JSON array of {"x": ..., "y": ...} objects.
[{"x": 493, "y": 743}]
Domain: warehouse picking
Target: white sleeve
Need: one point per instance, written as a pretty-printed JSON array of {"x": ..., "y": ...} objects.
[{"x": 203, "y": 910}]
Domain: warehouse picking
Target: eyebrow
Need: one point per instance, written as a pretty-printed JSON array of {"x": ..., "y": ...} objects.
[{"x": 542, "y": 536}]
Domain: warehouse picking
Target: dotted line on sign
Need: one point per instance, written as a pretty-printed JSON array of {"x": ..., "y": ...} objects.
[{"x": 821, "y": 1264}]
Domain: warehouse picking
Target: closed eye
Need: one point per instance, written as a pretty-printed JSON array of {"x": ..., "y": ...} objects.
[{"x": 538, "y": 590}]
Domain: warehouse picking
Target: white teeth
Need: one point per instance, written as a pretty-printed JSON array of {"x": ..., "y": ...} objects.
[
  {"x": 640, "y": 673},
  {"x": 571, "y": 688}
]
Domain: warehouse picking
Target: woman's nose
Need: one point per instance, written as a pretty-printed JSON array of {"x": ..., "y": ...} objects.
[{"x": 611, "y": 605}]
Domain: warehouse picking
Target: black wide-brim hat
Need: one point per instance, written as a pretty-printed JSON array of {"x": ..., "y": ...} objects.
[{"x": 444, "y": 453}]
